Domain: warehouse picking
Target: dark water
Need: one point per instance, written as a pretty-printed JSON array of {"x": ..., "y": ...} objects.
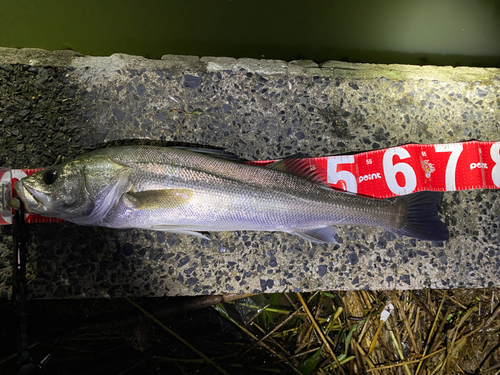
[{"x": 454, "y": 32}]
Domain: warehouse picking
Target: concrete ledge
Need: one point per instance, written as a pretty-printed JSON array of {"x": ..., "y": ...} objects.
[
  {"x": 62, "y": 104},
  {"x": 339, "y": 69}
]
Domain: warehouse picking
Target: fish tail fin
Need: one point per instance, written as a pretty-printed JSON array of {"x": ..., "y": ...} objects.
[{"x": 422, "y": 220}]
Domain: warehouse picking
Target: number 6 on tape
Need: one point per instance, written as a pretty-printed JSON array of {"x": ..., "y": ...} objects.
[{"x": 391, "y": 170}]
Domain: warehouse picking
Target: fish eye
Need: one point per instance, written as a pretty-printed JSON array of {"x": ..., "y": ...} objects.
[{"x": 49, "y": 177}]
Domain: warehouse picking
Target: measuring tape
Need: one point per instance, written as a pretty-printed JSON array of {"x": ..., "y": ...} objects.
[
  {"x": 381, "y": 173},
  {"x": 411, "y": 168}
]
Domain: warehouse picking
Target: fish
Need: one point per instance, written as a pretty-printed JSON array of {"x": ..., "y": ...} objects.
[{"x": 194, "y": 191}]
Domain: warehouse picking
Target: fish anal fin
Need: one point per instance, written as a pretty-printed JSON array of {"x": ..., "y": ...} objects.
[
  {"x": 154, "y": 199},
  {"x": 324, "y": 234},
  {"x": 178, "y": 230},
  {"x": 298, "y": 165}
]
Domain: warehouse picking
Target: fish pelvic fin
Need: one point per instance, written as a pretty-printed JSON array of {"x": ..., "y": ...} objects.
[
  {"x": 324, "y": 234},
  {"x": 422, "y": 220},
  {"x": 153, "y": 199}
]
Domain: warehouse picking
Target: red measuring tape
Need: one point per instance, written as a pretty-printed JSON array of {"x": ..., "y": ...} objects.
[
  {"x": 411, "y": 168},
  {"x": 382, "y": 173}
]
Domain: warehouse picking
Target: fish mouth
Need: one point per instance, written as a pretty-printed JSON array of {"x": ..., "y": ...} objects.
[{"x": 29, "y": 197}]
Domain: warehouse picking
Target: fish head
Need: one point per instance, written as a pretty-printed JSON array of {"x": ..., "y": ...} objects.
[
  {"x": 81, "y": 191},
  {"x": 57, "y": 191}
]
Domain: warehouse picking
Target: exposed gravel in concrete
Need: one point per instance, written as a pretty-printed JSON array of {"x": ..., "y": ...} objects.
[{"x": 63, "y": 104}]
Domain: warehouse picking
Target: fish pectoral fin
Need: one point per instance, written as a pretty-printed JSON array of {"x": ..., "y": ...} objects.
[
  {"x": 153, "y": 199},
  {"x": 179, "y": 230},
  {"x": 324, "y": 234}
]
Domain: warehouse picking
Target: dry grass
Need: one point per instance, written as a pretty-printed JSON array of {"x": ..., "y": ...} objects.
[
  {"x": 354, "y": 332},
  {"x": 424, "y": 332}
]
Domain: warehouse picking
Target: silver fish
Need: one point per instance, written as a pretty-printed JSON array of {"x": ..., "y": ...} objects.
[{"x": 191, "y": 191}]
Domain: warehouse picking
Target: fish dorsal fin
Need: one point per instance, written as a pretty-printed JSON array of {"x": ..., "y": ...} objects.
[
  {"x": 324, "y": 234},
  {"x": 299, "y": 165},
  {"x": 217, "y": 154},
  {"x": 156, "y": 199}
]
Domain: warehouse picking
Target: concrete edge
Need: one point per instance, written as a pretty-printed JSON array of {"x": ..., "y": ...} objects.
[
  {"x": 331, "y": 69},
  {"x": 37, "y": 56}
]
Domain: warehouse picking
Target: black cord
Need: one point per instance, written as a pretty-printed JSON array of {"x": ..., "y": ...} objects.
[{"x": 19, "y": 292}]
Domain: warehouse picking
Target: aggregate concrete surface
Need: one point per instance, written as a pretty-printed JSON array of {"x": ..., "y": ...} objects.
[{"x": 54, "y": 105}]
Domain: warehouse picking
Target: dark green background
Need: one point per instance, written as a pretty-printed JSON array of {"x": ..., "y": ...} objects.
[{"x": 443, "y": 32}]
